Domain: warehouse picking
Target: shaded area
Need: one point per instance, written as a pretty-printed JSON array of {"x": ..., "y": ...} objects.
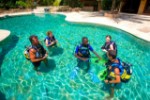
[
  {"x": 51, "y": 65},
  {"x": 131, "y": 6},
  {"x": 134, "y": 18},
  {"x": 2, "y": 96},
  {"x": 54, "y": 51},
  {"x": 93, "y": 14},
  {"x": 131, "y": 18},
  {"x": 6, "y": 46}
]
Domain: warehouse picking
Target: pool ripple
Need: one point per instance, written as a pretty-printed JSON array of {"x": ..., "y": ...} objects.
[{"x": 19, "y": 81}]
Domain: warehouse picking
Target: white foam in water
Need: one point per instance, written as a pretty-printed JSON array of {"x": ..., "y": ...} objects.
[{"x": 39, "y": 15}]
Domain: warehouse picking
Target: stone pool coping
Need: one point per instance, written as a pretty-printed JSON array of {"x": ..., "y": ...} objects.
[
  {"x": 4, "y": 34},
  {"x": 127, "y": 25}
]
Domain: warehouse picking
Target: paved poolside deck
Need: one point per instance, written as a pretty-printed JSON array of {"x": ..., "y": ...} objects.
[{"x": 137, "y": 25}]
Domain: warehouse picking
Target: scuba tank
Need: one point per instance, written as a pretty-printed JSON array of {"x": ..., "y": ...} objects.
[{"x": 26, "y": 52}]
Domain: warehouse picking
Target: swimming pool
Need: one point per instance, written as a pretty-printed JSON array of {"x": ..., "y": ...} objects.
[{"x": 19, "y": 81}]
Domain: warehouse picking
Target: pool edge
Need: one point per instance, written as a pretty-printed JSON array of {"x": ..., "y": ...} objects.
[{"x": 69, "y": 17}]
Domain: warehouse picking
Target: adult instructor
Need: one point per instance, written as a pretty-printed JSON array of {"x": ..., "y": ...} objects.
[{"x": 37, "y": 52}]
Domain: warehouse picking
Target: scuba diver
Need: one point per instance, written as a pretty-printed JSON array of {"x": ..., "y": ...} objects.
[
  {"x": 117, "y": 71},
  {"x": 50, "y": 40},
  {"x": 36, "y": 53},
  {"x": 82, "y": 53},
  {"x": 109, "y": 45}
]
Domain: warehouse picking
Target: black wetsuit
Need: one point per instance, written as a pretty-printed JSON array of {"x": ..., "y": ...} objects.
[
  {"x": 40, "y": 52},
  {"x": 106, "y": 46}
]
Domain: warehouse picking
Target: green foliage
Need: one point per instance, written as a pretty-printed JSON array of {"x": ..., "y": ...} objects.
[
  {"x": 47, "y": 2},
  {"x": 106, "y": 4},
  {"x": 118, "y": 2},
  {"x": 109, "y": 5},
  {"x": 30, "y": 3},
  {"x": 73, "y": 3},
  {"x": 21, "y": 4},
  {"x": 56, "y": 3},
  {"x": 7, "y": 4}
]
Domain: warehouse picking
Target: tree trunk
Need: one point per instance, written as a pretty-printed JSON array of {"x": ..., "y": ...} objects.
[
  {"x": 113, "y": 5},
  {"x": 122, "y": 2},
  {"x": 120, "y": 7}
]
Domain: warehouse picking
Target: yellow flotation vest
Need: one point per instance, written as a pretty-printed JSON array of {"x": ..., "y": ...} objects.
[
  {"x": 125, "y": 73},
  {"x": 26, "y": 52},
  {"x": 39, "y": 53},
  {"x": 124, "y": 76}
]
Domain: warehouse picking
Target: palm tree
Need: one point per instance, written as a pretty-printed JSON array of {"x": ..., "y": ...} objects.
[
  {"x": 113, "y": 5},
  {"x": 122, "y": 2},
  {"x": 117, "y": 7}
]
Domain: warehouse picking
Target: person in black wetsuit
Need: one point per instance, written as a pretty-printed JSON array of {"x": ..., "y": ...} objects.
[
  {"x": 109, "y": 45},
  {"x": 37, "y": 52}
]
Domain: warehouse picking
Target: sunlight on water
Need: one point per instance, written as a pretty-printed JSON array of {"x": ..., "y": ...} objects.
[{"x": 19, "y": 81}]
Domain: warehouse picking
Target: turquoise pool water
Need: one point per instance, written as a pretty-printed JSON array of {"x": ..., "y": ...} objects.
[{"x": 18, "y": 80}]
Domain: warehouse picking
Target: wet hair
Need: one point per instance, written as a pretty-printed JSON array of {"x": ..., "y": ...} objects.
[
  {"x": 84, "y": 38},
  {"x": 108, "y": 36},
  {"x": 48, "y": 33},
  {"x": 112, "y": 53},
  {"x": 31, "y": 38}
]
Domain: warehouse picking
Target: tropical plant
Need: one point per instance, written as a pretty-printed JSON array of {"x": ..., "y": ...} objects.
[
  {"x": 21, "y": 4},
  {"x": 122, "y": 2},
  {"x": 112, "y": 5},
  {"x": 15, "y": 3},
  {"x": 7, "y": 4},
  {"x": 46, "y": 2},
  {"x": 73, "y": 3},
  {"x": 30, "y": 3},
  {"x": 117, "y": 5},
  {"x": 106, "y": 4},
  {"x": 56, "y": 2}
]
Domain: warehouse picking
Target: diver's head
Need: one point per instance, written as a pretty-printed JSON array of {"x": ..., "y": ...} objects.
[
  {"x": 108, "y": 38},
  {"x": 49, "y": 33},
  {"x": 34, "y": 40},
  {"x": 111, "y": 54},
  {"x": 85, "y": 41}
]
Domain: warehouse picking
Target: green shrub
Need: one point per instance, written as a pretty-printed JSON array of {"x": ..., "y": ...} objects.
[
  {"x": 106, "y": 4},
  {"x": 46, "y": 2},
  {"x": 21, "y": 4},
  {"x": 73, "y": 3},
  {"x": 7, "y": 4},
  {"x": 56, "y": 3}
]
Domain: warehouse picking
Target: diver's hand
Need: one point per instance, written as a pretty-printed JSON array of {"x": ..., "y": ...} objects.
[
  {"x": 52, "y": 43},
  {"x": 106, "y": 81},
  {"x": 109, "y": 67},
  {"x": 104, "y": 50},
  {"x": 46, "y": 55},
  {"x": 85, "y": 59}
]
